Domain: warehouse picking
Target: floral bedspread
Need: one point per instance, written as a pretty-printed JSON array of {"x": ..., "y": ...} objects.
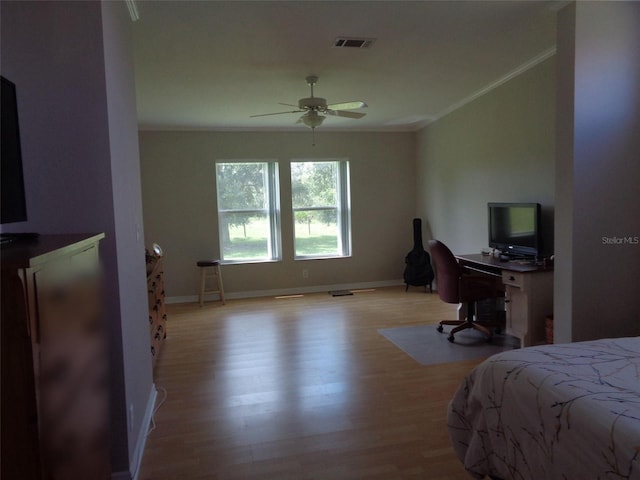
[{"x": 569, "y": 411}]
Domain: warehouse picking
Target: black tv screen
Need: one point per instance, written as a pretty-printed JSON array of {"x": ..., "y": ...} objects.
[
  {"x": 14, "y": 206},
  {"x": 514, "y": 228}
]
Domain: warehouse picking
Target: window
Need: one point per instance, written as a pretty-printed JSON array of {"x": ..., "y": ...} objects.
[
  {"x": 248, "y": 211},
  {"x": 321, "y": 208}
]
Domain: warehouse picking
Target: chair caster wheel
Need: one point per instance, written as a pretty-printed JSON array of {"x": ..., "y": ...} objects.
[
  {"x": 450, "y": 338},
  {"x": 440, "y": 329}
]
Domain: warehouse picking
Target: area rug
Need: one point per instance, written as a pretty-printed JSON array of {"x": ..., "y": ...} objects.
[{"x": 427, "y": 346}]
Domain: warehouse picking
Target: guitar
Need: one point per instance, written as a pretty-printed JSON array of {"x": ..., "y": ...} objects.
[{"x": 418, "y": 271}]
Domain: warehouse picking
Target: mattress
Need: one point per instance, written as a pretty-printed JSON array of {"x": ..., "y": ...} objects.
[{"x": 569, "y": 411}]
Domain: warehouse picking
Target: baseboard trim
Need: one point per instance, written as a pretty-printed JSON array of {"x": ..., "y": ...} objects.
[
  {"x": 136, "y": 458},
  {"x": 287, "y": 291}
]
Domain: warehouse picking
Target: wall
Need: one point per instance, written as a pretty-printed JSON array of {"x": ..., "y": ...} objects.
[
  {"x": 179, "y": 202},
  {"x": 498, "y": 148},
  {"x": 139, "y": 392},
  {"x": 563, "y": 274},
  {"x": 63, "y": 113},
  {"x": 69, "y": 61},
  {"x": 599, "y": 158}
]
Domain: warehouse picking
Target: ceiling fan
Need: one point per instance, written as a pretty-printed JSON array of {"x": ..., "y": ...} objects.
[{"x": 315, "y": 109}]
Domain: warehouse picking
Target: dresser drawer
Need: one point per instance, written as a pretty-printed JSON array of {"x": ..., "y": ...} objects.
[{"x": 515, "y": 279}]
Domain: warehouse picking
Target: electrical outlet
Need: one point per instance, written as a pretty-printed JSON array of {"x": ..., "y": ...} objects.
[{"x": 305, "y": 273}]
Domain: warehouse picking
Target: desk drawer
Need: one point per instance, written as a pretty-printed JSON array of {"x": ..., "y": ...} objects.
[{"x": 514, "y": 279}]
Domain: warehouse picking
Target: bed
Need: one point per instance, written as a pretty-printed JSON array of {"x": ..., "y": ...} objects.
[{"x": 569, "y": 411}]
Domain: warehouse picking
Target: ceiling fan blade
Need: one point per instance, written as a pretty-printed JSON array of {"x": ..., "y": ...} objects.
[
  {"x": 275, "y": 113},
  {"x": 315, "y": 109},
  {"x": 342, "y": 113},
  {"x": 347, "y": 105}
]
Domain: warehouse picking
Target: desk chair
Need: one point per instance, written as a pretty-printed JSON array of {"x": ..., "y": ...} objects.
[{"x": 457, "y": 286}]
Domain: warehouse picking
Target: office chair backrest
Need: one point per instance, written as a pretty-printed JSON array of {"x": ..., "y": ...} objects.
[{"x": 447, "y": 272}]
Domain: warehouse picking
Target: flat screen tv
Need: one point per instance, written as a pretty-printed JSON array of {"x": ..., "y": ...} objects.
[
  {"x": 514, "y": 228},
  {"x": 12, "y": 194}
]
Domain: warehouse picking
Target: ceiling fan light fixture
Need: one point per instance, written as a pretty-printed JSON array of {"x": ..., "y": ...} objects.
[{"x": 312, "y": 119}]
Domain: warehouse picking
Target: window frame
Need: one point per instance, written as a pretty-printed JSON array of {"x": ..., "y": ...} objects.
[
  {"x": 271, "y": 210},
  {"x": 342, "y": 208}
]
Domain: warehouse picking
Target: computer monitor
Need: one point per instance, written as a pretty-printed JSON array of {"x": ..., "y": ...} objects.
[{"x": 514, "y": 228}]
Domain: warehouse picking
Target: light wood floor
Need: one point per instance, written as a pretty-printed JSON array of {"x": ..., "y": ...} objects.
[{"x": 302, "y": 388}]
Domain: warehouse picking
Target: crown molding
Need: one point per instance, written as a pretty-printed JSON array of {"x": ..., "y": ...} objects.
[{"x": 495, "y": 84}]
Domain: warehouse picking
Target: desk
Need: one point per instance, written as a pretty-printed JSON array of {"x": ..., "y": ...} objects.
[{"x": 528, "y": 294}]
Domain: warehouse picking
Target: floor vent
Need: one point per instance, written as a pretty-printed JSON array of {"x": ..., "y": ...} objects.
[{"x": 351, "y": 42}]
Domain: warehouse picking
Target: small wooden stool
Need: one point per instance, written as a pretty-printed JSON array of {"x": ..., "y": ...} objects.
[{"x": 205, "y": 273}]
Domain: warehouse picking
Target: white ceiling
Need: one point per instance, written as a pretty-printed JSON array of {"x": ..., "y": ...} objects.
[{"x": 212, "y": 64}]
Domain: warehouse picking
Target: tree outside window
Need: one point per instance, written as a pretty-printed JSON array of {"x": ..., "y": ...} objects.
[
  {"x": 248, "y": 211},
  {"x": 321, "y": 210}
]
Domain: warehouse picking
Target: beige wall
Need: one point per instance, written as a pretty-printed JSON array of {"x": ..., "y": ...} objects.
[
  {"x": 179, "y": 202},
  {"x": 498, "y": 148},
  {"x": 599, "y": 121}
]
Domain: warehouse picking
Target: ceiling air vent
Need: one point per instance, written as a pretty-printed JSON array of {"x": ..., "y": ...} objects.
[{"x": 352, "y": 42}]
